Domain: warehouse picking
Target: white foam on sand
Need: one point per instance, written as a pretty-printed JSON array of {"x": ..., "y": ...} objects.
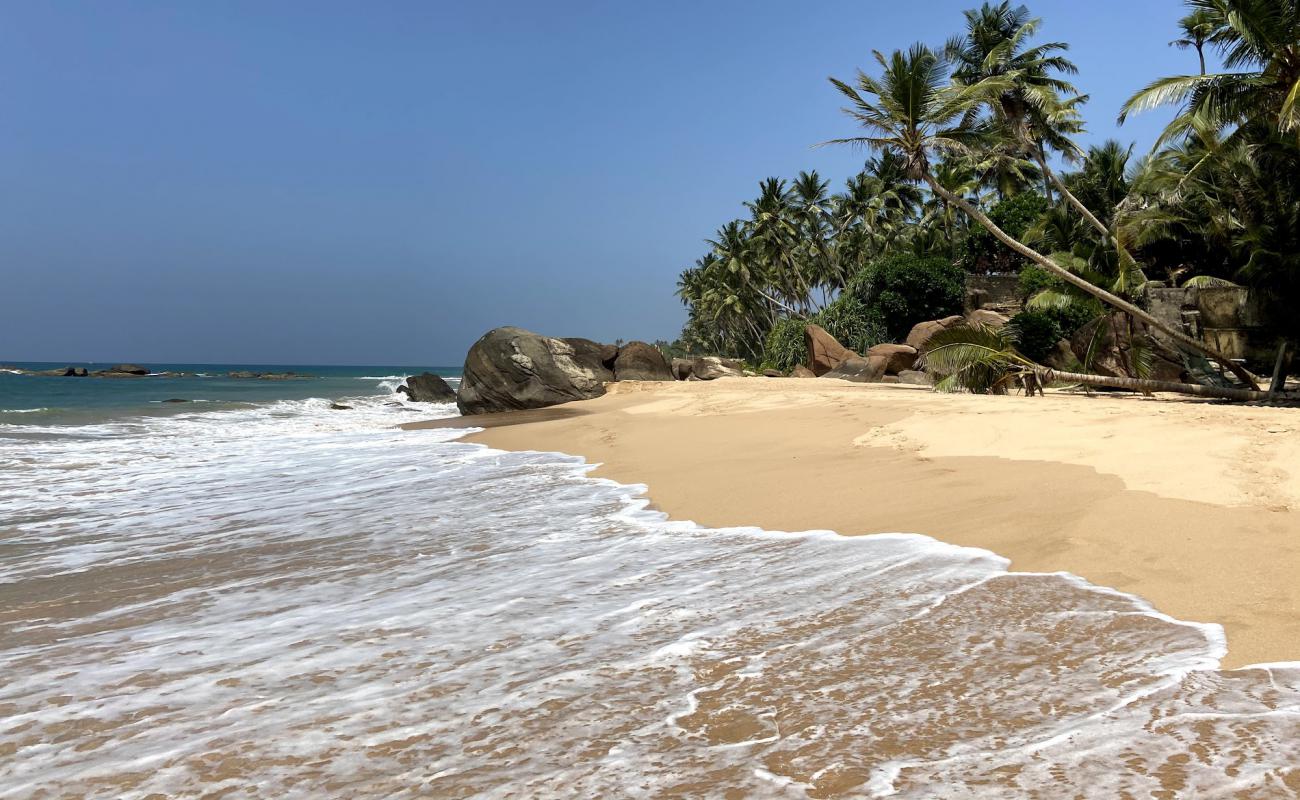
[{"x": 319, "y": 604}]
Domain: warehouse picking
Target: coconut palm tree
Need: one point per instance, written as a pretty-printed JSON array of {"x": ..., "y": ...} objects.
[
  {"x": 1197, "y": 29},
  {"x": 914, "y": 110},
  {"x": 1260, "y": 44}
]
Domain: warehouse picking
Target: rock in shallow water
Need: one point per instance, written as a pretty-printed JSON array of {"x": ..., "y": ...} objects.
[{"x": 428, "y": 388}]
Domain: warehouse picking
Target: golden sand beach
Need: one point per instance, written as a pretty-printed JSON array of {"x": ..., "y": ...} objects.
[{"x": 1189, "y": 505}]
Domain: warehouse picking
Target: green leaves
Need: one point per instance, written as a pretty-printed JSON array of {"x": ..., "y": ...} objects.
[{"x": 973, "y": 359}]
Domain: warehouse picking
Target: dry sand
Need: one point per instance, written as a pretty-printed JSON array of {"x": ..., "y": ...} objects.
[{"x": 1191, "y": 505}]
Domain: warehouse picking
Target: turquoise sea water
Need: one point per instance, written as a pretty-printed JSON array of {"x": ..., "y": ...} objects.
[{"x": 41, "y": 400}]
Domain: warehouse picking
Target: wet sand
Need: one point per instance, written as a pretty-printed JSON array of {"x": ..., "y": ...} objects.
[{"x": 1190, "y": 505}]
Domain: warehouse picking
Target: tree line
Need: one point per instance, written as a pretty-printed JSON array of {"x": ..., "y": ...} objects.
[{"x": 965, "y": 139}]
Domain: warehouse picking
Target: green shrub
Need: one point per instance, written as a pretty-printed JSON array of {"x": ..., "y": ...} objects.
[
  {"x": 1015, "y": 215},
  {"x": 847, "y": 319},
  {"x": 1036, "y": 333},
  {"x": 785, "y": 345},
  {"x": 902, "y": 290},
  {"x": 1034, "y": 279},
  {"x": 852, "y": 323}
]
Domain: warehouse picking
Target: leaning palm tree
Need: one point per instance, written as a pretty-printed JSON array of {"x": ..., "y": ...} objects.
[{"x": 915, "y": 111}]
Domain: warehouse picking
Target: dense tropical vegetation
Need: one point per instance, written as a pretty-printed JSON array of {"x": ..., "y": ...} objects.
[{"x": 973, "y": 168}]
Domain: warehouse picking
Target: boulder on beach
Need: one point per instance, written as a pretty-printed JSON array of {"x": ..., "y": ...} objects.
[
  {"x": 984, "y": 318},
  {"x": 773, "y": 373},
  {"x": 593, "y": 354},
  {"x": 681, "y": 368},
  {"x": 860, "y": 370},
  {"x": 708, "y": 368},
  {"x": 340, "y": 407},
  {"x": 800, "y": 371},
  {"x": 638, "y": 361},
  {"x": 824, "y": 352},
  {"x": 1107, "y": 345},
  {"x": 511, "y": 368},
  {"x": 428, "y": 388},
  {"x": 898, "y": 357},
  {"x": 922, "y": 331}
]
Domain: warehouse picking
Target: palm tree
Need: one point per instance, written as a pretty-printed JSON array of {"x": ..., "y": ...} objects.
[
  {"x": 1198, "y": 27},
  {"x": 1260, "y": 41},
  {"x": 914, "y": 110}
]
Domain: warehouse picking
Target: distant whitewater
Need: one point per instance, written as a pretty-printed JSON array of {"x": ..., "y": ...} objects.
[{"x": 296, "y": 601}]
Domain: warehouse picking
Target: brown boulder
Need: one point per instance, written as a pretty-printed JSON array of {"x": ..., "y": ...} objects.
[
  {"x": 1105, "y": 346},
  {"x": 824, "y": 352},
  {"x": 773, "y": 373},
  {"x": 983, "y": 317},
  {"x": 800, "y": 371},
  {"x": 922, "y": 331},
  {"x": 860, "y": 370},
  {"x": 681, "y": 368},
  {"x": 898, "y": 357},
  {"x": 638, "y": 361}
]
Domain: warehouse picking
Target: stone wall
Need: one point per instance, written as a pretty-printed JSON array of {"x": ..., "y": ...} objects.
[
  {"x": 995, "y": 292},
  {"x": 1230, "y": 319}
]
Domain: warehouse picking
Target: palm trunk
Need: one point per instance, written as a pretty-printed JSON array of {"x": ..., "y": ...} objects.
[
  {"x": 1071, "y": 199},
  {"x": 1096, "y": 291},
  {"x": 1047, "y": 376}
]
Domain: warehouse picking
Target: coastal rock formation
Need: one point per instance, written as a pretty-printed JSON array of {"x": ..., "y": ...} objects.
[
  {"x": 428, "y": 388},
  {"x": 824, "y": 352},
  {"x": 914, "y": 377},
  {"x": 707, "y": 368},
  {"x": 1110, "y": 340},
  {"x": 1061, "y": 357},
  {"x": 986, "y": 318},
  {"x": 860, "y": 370},
  {"x": 510, "y": 368},
  {"x": 681, "y": 368},
  {"x": 244, "y": 374},
  {"x": 638, "y": 361},
  {"x": 922, "y": 331},
  {"x": 773, "y": 373},
  {"x": 898, "y": 357},
  {"x": 593, "y": 355},
  {"x": 800, "y": 371},
  {"x": 119, "y": 371}
]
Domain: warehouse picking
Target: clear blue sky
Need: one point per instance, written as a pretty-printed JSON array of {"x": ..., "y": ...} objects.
[{"x": 320, "y": 182}]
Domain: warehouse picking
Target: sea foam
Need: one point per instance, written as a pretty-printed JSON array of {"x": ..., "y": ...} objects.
[{"x": 316, "y": 603}]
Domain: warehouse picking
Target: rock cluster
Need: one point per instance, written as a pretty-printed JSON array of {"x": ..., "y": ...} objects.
[
  {"x": 511, "y": 368},
  {"x": 428, "y": 388}
]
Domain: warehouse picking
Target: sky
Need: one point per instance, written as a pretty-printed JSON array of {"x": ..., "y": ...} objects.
[{"x": 383, "y": 182}]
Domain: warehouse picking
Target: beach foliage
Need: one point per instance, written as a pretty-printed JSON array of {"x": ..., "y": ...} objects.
[
  {"x": 971, "y": 158},
  {"x": 906, "y": 288}
]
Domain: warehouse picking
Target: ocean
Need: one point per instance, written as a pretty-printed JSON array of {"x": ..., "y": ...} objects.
[{"x": 255, "y": 594}]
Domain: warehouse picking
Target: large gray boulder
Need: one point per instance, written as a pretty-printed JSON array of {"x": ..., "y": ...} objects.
[
  {"x": 428, "y": 388},
  {"x": 511, "y": 368},
  {"x": 681, "y": 368},
  {"x": 638, "y": 361},
  {"x": 708, "y": 368}
]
